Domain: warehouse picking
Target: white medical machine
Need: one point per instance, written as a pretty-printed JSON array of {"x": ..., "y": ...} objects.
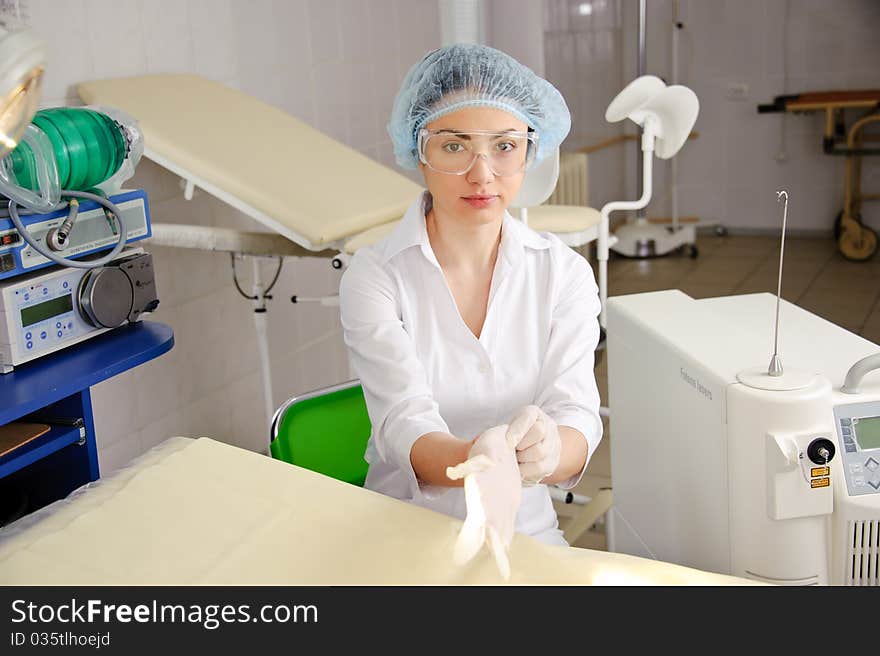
[
  {"x": 47, "y": 311},
  {"x": 720, "y": 462},
  {"x": 94, "y": 232},
  {"x": 713, "y": 470}
]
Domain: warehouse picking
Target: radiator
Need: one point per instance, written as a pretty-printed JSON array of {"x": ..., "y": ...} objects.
[{"x": 571, "y": 188}]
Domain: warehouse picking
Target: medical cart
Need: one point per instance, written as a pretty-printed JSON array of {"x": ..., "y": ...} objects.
[{"x": 54, "y": 391}]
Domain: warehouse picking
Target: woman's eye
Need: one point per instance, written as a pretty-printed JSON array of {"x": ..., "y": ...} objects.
[
  {"x": 506, "y": 146},
  {"x": 453, "y": 147}
]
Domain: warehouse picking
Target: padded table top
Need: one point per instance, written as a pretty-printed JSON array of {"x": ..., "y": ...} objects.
[
  {"x": 197, "y": 511},
  {"x": 285, "y": 173}
]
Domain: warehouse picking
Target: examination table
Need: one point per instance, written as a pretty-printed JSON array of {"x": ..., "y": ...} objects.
[{"x": 198, "y": 511}]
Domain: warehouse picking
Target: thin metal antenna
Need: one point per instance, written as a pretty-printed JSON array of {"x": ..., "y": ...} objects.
[{"x": 775, "y": 368}]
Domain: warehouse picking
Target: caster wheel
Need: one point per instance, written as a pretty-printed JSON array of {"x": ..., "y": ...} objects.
[
  {"x": 720, "y": 231},
  {"x": 858, "y": 245},
  {"x": 693, "y": 252}
]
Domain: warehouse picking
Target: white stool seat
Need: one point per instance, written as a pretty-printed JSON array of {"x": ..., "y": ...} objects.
[
  {"x": 563, "y": 218},
  {"x": 575, "y": 225}
]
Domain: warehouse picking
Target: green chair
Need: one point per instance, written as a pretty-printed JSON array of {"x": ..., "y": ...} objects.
[{"x": 325, "y": 430}]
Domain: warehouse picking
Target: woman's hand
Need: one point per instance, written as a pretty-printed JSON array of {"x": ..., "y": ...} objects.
[{"x": 537, "y": 442}]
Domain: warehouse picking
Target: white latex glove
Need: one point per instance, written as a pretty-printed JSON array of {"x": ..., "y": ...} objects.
[
  {"x": 492, "y": 492},
  {"x": 537, "y": 442}
]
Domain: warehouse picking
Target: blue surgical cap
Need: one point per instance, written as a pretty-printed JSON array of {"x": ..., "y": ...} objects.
[{"x": 470, "y": 75}]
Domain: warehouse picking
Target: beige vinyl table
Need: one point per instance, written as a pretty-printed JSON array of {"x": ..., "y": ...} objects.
[
  {"x": 198, "y": 511},
  {"x": 275, "y": 168}
]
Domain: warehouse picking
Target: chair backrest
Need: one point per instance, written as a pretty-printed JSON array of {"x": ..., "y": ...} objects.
[{"x": 325, "y": 431}]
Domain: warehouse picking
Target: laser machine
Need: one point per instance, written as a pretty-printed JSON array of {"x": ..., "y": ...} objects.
[{"x": 721, "y": 462}]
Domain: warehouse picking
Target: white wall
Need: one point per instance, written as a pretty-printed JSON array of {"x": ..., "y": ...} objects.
[
  {"x": 334, "y": 63},
  {"x": 729, "y": 174}
]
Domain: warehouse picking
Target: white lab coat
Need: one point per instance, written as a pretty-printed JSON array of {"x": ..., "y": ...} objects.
[{"x": 423, "y": 370}]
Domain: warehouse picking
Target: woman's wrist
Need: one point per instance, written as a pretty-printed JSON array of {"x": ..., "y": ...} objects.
[{"x": 432, "y": 453}]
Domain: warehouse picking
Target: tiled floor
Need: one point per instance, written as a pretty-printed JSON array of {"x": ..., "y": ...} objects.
[{"x": 815, "y": 277}]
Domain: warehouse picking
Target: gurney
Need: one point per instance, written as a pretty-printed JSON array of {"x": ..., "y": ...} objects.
[
  {"x": 200, "y": 512},
  {"x": 855, "y": 240}
]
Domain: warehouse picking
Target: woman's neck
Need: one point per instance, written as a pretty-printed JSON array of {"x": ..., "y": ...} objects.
[{"x": 462, "y": 245}]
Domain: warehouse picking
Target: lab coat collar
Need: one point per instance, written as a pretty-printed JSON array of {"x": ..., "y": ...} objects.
[{"x": 412, "y": 231}]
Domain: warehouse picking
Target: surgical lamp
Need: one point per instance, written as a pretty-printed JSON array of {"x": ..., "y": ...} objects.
[
  {"x": 666, "y": 115},
  {"x": 22, "y": 63}
]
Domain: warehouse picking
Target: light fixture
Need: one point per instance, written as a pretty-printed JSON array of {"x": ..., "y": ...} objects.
[{"x": 22, "y": 63}]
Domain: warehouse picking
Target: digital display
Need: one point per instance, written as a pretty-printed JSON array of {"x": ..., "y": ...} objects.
[
  {"x": 42, "y": 311},
  {"x": 868, "y": 432}
]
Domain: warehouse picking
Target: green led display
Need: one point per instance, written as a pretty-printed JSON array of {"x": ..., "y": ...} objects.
[
  {"x": 42, "y": 311},
  {"x": 868, "y": 432}
]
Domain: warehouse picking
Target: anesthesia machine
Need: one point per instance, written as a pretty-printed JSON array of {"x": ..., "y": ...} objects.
[{"x": 61, "y": 209}]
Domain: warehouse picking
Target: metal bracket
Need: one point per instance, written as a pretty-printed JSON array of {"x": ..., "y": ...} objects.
[{"x": 188, "y": 187}]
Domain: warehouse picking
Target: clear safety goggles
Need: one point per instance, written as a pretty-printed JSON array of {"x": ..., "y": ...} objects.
[{"x": 454, "y": 152}]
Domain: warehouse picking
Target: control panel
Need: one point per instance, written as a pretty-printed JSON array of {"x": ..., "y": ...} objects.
[
  {"x": 46, "y": 311},
  {"x": 858, "y": 431}
]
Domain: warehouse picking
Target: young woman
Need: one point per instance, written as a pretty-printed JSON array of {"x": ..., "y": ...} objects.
[{"x": 463, "y": 319}]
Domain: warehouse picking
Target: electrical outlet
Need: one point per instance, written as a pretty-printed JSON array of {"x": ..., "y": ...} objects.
[{"x": 737, "y": 91}]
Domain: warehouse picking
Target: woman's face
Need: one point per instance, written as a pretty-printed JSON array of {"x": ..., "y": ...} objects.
[{"x": 478, "y": 196}]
